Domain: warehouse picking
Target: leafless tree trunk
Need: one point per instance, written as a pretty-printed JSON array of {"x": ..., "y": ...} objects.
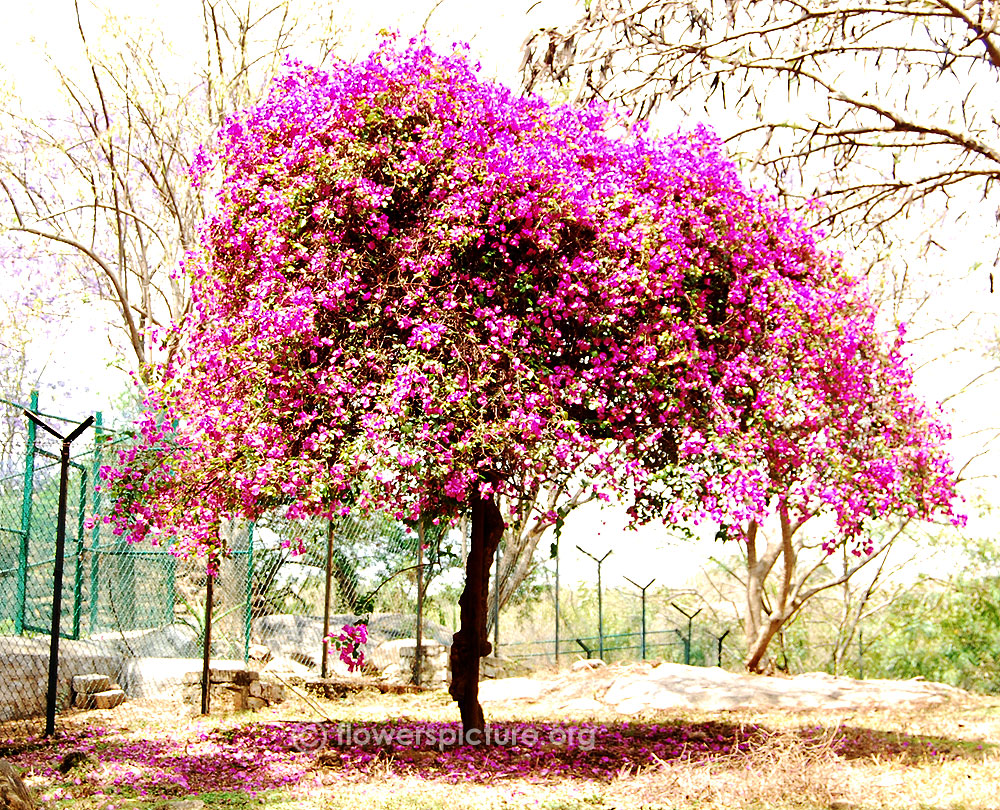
[
  {"x": 527, "y": 522},
  {"x": 789, "y": 571}
]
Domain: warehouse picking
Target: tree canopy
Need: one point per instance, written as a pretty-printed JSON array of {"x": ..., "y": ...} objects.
[{"x": 415, "y": 282}]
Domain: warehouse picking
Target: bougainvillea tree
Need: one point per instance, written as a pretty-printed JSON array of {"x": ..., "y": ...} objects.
[
  {"x": 420, "y": 293},
  {"x": 836, "y": 432}
]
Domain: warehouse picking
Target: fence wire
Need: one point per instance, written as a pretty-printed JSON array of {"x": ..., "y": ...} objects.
[{"x": 134, "y": 616}]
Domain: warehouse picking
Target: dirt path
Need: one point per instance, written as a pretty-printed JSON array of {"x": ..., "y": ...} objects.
[{"x": 633, "y": 688}]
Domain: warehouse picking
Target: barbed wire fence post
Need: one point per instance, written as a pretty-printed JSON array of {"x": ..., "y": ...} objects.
[
  {"x": 718, "y": 652},
  {"x": 686, "y": 639},
  {"x": 642, "y": 589},
  {"x": 600, "y": 602},
  {"x": 57, "y": 575}
]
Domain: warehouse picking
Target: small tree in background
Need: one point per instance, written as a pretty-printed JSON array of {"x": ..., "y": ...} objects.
[
  {"x": 420, "y": 293},
  {"x": 857, "y": 444},
  {"x": 96, "y": 192}
]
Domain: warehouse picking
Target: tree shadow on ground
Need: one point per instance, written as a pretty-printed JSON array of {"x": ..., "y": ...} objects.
[{"x": 263, "y": 756}]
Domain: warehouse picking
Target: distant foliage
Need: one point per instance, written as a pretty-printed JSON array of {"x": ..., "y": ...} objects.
[{"x": 945, "y": 630}]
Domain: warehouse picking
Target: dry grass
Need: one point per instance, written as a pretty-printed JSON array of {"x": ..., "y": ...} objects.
[
  {"x": 781, "y": 770},
  {"x": 784, "y": 773}
]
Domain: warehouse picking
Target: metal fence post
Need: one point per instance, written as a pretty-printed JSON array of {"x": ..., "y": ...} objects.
[
  {"x": 718, "y": 656},
  {"x": 206, "y": 651},
  {"x": 555, "y": 550},
  {"x": 686, "y": 640},
  {"x": 418, "y": 651},
  {"x": 81, "y": 518},
  {"x": 248, "y": 613},
  {"x": 57, "y": 574},
  {"x": 643, "y": 589},
  {"x": 496, "y": 604},
  {"x": 171, "y": 601},
  {"x": 324, "y": 667},
  {"x": 600, "y": 601},
  {"x": 26, "y": 497},
  {"x": 861, "y": 654},
  {"x": 95, "y": 532}
]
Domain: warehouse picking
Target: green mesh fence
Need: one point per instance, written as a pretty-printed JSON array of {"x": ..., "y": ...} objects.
[{"x": 136, "y": 615}]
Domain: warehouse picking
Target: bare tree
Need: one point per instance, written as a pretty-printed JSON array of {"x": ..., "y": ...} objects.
[
  {"x": 787, "y": 569},
  {"x": 528, "y": 521},
  {"x": 877, "y": 110},
  {"x": 106, "y": 179}
]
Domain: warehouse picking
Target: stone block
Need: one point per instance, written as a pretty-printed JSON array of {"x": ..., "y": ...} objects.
[
  {"x": 243, "y": 677},
  {"x": 256, "y": 689},
  {"x": 226, "y": 699},
  {"x": 223, "y": 675},
  {"x": 274, "y": 693},
  {"x": 221, "y": 698},
  {"x": 108, "y": 699},
  {"x": 255, "y": 703},
  {"x": 83, "y": 700},
  {"x": 91, "y": 683}
]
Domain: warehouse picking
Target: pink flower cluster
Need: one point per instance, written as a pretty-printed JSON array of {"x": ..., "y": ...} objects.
[
  {"x": 415, "y": 283},
  {"x": 350, "y": 641}
]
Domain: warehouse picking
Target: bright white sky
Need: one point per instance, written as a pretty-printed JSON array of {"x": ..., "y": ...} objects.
[{"x": 32, "y": 30}]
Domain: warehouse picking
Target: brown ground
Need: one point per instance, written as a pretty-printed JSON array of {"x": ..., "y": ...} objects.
[{"x": 784, "y": 769}]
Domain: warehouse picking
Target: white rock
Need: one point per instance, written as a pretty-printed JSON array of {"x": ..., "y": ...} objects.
[{"x": 510, "y": 689}]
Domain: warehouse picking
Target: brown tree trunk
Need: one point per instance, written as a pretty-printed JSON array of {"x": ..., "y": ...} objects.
[
  {"x": 470, "y": 642},
  {"x": 783, "y": 608}
]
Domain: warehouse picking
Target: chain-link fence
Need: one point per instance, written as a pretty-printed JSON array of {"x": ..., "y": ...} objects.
[{"x": 135, "y": 617}]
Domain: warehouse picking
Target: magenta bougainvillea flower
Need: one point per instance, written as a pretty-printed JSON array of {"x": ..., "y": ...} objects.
[
  {"x": 415, "y": 283},
  {"x": 350, "y": 642},
  {"x": 258, "y": 757}
]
